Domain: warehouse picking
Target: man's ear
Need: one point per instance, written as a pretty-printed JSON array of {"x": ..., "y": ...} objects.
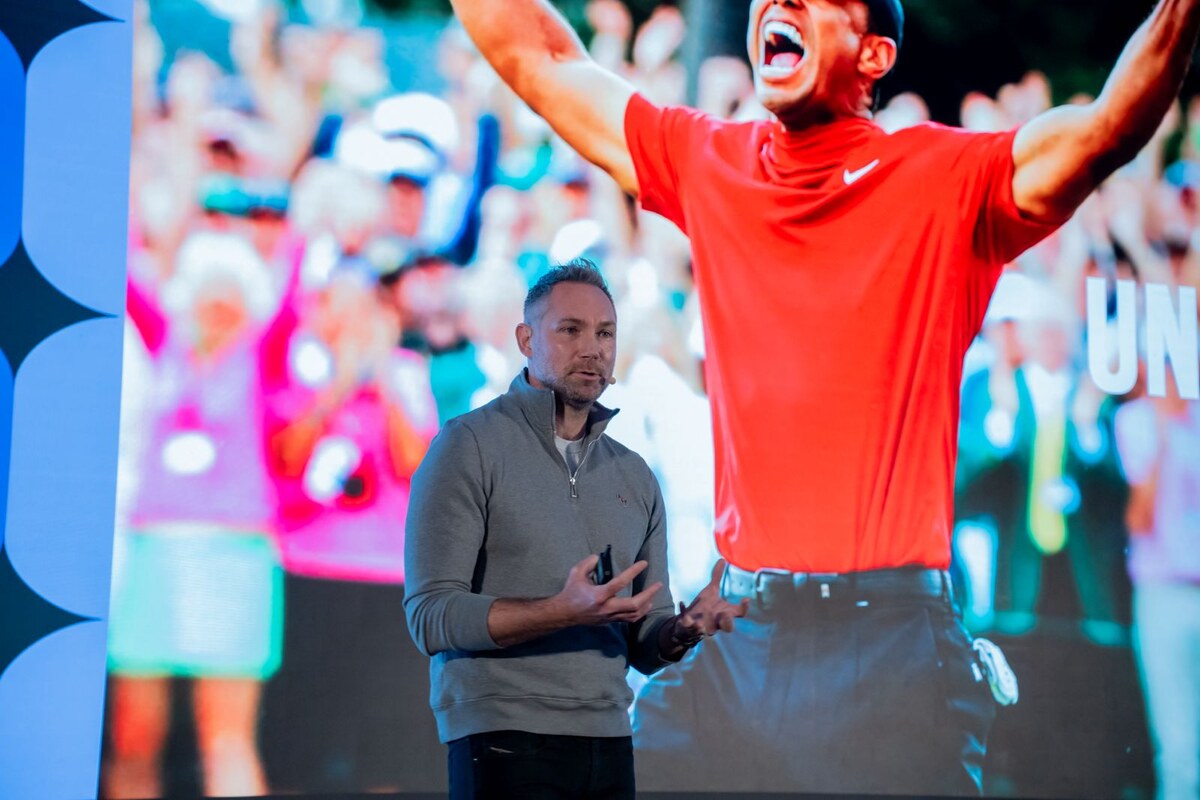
[
  {"x": 524, "y": 334},
  {"x": 877, "y": 57}
]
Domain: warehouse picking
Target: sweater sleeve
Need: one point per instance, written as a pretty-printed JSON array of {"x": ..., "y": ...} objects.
[
  {"x": 644, "y": 653},
  {"x": 443, "y": 535}
]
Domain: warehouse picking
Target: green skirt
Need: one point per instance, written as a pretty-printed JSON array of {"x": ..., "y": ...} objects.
[{"x": 196, "y": 602}]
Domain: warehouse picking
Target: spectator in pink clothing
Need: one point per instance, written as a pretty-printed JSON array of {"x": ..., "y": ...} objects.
[
  {"x": 349, "y": 428},
  {"x": 197, "y": 590}
]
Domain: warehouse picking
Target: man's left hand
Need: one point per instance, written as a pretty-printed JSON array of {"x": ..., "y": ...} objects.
[{"x": 707, "y": 614}]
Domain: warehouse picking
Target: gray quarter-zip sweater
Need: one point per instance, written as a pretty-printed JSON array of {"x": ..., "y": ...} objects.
[{"x": 496, "y": 513}]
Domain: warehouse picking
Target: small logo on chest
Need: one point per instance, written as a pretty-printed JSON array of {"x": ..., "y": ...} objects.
[
  {"x": 853, "y": 177},
  {"x": 621, "y": 499}
]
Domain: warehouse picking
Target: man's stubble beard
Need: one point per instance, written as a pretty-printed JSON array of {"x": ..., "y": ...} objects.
[{"x": 573, "y": 397}]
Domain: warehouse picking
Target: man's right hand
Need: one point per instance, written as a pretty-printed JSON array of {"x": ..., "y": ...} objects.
[
  {"x": 581, "y": 602},
  {"x": 585, "y": 603}
]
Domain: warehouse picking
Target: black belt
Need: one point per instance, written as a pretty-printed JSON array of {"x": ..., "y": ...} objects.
[{"x": 771, "y": 587}]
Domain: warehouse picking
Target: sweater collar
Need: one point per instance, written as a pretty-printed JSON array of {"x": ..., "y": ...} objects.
[{"x": 538, "y": 407}]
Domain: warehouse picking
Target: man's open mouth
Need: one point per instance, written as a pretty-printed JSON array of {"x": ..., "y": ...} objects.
[{"x": 782, "y": 49}]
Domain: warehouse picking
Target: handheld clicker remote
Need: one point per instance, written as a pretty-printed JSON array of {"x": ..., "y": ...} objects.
[{"x": 604, "y": 568}]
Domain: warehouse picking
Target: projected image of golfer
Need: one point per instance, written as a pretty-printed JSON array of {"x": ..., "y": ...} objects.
[{"x": 865, "y": 261}]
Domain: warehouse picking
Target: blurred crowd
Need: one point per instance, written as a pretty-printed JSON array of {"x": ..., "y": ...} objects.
[{"x": 325, "y": 266}]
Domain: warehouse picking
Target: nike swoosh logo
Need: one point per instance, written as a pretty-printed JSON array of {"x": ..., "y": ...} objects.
[{"x": 852, "y": 177}]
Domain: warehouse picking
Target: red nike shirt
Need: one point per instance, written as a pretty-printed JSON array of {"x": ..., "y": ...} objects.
[{"x": 842, "y": 272}]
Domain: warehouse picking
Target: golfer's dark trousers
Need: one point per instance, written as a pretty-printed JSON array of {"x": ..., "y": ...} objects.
[{"x": 858, "y": 683}]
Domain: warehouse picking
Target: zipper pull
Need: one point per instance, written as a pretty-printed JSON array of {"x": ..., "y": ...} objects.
[{"x": 574, "y": 494}]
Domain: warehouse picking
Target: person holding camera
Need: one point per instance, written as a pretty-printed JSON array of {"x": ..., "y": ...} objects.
[{"x": 528, "y": 672}]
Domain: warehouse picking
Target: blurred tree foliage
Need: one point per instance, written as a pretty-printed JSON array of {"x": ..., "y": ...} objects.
[
  {"x": 956, "y": 46},
  {"x": 572, "y": 8}
]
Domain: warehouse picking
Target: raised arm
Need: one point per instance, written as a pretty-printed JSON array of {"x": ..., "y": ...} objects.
[
  {"x": 534, "y": 51},
  {"x": 1064, "y": 154}
]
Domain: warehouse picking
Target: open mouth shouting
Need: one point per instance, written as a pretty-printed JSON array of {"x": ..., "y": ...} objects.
[{"x": 782, "y": 50}]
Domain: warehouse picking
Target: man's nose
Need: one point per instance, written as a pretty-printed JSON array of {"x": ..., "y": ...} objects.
[{"x": 593, "y": 346}]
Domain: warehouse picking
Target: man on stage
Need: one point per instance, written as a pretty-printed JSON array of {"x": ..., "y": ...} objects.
[
  {"x": 843, "y": 272},
  {"x": 530, "y": 643}
]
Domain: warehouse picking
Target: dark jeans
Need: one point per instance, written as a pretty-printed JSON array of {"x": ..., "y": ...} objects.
[
  {"x": 514, "y": 764},
  {"x": 839, "y": 686}
]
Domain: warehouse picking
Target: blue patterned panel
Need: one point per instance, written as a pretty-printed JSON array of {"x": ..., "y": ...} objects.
[
  {"x": 52, "y": 751},
  {"x": 75, "y": 229},
  {"x": 64, "y": 155},
  {"x": 61, "y": 495},
  {"x": 12, "y": 144}
]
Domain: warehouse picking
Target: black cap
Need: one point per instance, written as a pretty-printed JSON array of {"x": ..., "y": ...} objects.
[{"x": 888, "y": 18}]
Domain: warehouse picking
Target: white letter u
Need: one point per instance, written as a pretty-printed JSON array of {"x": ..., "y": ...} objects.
[{"x": 1120, "y": 379}]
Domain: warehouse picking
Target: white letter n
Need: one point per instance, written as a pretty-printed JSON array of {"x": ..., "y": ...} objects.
[{"x": 1174, "y": 335}]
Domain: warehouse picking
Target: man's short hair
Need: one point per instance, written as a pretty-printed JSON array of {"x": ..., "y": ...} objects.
[
  {"x": 578, "y": 271},
  {"x": 886, "y": 18}
]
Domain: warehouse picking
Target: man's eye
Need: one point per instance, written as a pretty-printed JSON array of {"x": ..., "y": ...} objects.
[
  {"x": 570, "y": 329},
  {"x": 606, "y": 334}
]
